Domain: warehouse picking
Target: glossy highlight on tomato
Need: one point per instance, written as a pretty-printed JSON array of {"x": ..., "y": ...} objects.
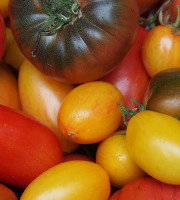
[{"x": 96, "y": 36}]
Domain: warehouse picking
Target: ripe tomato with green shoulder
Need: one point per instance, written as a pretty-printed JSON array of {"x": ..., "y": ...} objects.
[
  {"x": 27, "y": 148},
  {"x": 74, "y": 41},
  {"x": 147, "y": 188}
]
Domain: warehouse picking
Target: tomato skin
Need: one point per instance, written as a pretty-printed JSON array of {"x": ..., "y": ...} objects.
[
  {"x": 27, "y": 148},
  {"x": 130, "y": 75},
  {"x": 6, "y": 193},
  {"x": 4, "y": 8},
  {"x": 160, "y": 50},
  {"x": 162, "y": 94},
  {"x": 89, "y": 113},
  {"x": 2, "y": 36},
  {"x": 82, "y": 180},
  {"x": 146, "y": 5},
  {"x": 147, "y": 188},
  {"x": 153, "y": 140},
  {"x": 41, "y": 97},
  {"x": 84, "y": 51}
]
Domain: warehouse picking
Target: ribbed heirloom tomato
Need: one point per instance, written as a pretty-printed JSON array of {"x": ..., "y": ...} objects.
[{"x": 74, "y": 41}]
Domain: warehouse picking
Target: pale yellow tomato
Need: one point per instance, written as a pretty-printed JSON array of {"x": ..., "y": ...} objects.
[
  {"x": 42, "y": 97},
  {"x": 89, "y": 113},
  {"x": 113, "y": 155},
  {"x": 154, "y": 142},
  {"x": 71, "y": 180}
]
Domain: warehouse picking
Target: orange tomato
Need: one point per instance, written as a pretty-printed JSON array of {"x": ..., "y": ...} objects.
[
  {"x": 6, "y": 193},
  {"x": 9, "y": 93},
  {"x": 4, "y": 8},
  {"x": 81, "y": 180},
  {"x": 160, "y": 50},
  {"x": 89, "y": 113},
  {"x": 113, "y": 155},
  {"x": 42, "y": 97}
]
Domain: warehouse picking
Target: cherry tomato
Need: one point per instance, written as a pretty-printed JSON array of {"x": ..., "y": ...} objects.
[
  {"x": 81, "y": 180},
  {"x": 161, "y": 50},
  {"x": 89, "y": 113},
  {"x": 153, "y": 140},
  {"x": 6, "y": 193}
]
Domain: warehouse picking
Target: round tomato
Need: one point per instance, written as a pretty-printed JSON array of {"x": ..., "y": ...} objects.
[
  {"x": 153, "y": 140},
  {"x": 113, "y": 155},
  {"x": 6, "y": 193},
  {"x": 9, "y": 93},
  {"x": 2, "y": 36},
  {"x": 160, "y": 50},
  {"x": 74, "y": 41},
  {"x": 147, "y": 188},
  {"x": 42, "y": 97},
  {"x": 82, "y": 180},
  {"x": 89, "y": 113},
  {"x": 27, "y": 148},
  {"x": 130, "y": 75}
]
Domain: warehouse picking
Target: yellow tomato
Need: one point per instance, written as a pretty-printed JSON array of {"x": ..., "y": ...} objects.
[
  {"x": 71, "y": 180},
  {"x": 4, "y": 8},
  {"x": 154, "y": 141},
  {"x": 42, "y": 97},
  {"x": 113, "y": 155},
  {"x": 9, "y": 93},
  {"x": 89, "y": 113}
]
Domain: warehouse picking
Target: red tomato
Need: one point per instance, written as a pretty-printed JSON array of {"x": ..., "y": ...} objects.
[
  {"x": 27, "y": 148},
  {"x": 130, "y": 76},
  {"x": 2, "y": 36},
  {"x": 147, "y": 188},
  {"x": 6, "y": 193}
]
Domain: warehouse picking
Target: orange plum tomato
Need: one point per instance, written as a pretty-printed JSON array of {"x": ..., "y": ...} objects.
[
  {"x": 41, "y": 97},
  {"x": 113, "y": 155},
  {"x": 81, "y": 180},
  {"x": 89, "y": 113},
  {"x": 160, "y": 50},
  {"x": 6, "y": 193},
  {"x": 153, "y": 140},
  {"x": 9, "y": 93}
]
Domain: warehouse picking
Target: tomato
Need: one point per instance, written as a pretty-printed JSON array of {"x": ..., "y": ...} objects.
[
  {"x": 42, "y": 97},
  {"x": 77, "y": 156},
  {"x": 160, "y": 50},
  {"x": 2, "y": 36},
  {"x": 27, "y": 148},
  {"x": 113, "y": 155},
  {"x": 130, "y": 76},
  {"x": 4, "y": 8},
  {"x": 89, "y": 113},
  {"x": 9, "y": 93},
  {"x": 147, "y": 188},
  {"x": 146, "y": 5},
  {"x": 6, "y": 193},
  {"x": 95, "y": 37},
  {"x": 82, "y": 180},
  {"x": 153, "y": 140},
  {"x": 162, "y": 94}
]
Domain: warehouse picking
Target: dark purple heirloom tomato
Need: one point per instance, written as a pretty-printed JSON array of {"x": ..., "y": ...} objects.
[{"x": 74, "y": 41}]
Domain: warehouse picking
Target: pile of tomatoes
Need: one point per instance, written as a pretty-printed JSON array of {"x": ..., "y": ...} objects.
[{"x": 89, "y": 99}]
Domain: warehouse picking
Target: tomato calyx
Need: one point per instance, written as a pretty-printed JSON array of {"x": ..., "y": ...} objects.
[
  {"x": 175, "y": 27},
  {"x": 131, "y": 113},
  {"x": 61, "y": 13}
]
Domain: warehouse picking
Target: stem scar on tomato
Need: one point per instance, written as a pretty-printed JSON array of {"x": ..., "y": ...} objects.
[{"x": 61, "y": 12}]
